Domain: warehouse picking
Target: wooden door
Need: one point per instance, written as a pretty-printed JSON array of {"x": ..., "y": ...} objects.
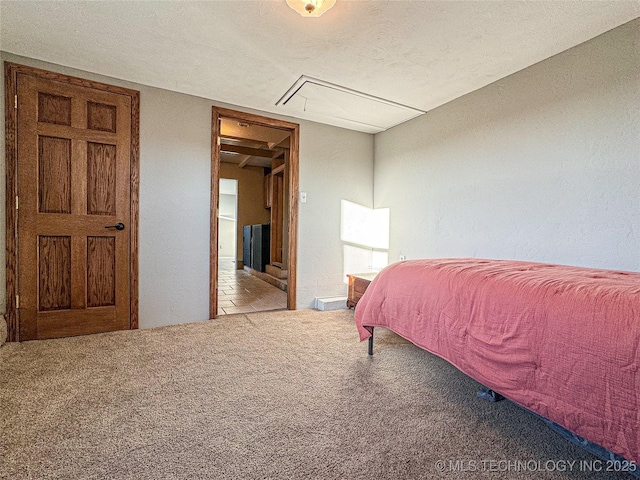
[{"x": 74, "y": 187}]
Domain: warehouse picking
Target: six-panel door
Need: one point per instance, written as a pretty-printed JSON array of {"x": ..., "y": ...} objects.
[{"x": 73, "y": 182}]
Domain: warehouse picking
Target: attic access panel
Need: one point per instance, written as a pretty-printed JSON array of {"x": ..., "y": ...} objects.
[{"x": 332, "y": 104}]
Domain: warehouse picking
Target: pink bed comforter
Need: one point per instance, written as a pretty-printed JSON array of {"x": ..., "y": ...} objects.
[{"x": 561, "y": 341}]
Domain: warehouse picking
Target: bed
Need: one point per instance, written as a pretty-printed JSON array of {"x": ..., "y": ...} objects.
[{"x": 563, "y": 342}]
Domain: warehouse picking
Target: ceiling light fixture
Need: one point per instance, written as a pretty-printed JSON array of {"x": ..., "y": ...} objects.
[{"x": 311, "y": 8}]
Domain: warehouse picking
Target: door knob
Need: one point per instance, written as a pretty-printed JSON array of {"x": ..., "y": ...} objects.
[{"x": 117, "y": 226}]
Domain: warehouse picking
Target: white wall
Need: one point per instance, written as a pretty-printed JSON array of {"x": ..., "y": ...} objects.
[
  {"x": 337, "y": 166},
  {"x": 227, "y": 224},
  {"x": 175, "y": 157},
  {"x": 227, "y": 238},
  {"x": 543, "y": 165}
]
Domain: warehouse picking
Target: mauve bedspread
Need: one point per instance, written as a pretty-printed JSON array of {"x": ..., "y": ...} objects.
[{"x": 561, "y": 341}]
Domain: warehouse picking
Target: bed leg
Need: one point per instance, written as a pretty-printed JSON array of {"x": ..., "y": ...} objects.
[
  {"x": 371, "y": 342},
  {"x": 489, "y": 395}
]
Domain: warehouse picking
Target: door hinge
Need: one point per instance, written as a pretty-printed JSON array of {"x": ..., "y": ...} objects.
[
  {"x": 17, "y": 301},
  {"x": 15, "y": 102},
  {"x": 218, "y": 141},
  {"x": 16, "y": 202}
]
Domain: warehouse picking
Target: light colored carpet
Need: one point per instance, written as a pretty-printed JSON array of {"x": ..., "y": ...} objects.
[{"x": 280, "y": 395}]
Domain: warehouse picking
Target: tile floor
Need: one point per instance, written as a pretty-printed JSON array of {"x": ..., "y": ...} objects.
[{"x": 241, "y": 292}]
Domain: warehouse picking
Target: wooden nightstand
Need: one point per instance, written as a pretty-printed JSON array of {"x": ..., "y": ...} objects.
[{"x": 358, "y": 283}]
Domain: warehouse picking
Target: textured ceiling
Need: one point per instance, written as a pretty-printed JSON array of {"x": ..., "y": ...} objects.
[{"x": 248, "y": 53}]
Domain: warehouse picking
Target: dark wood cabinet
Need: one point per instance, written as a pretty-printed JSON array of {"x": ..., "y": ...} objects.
[
  {"x": 259, "y": 245},
  {"x": 358, "y": 283},
  {"x": 246, "y": 245},
  {"x": 260, "y": 235}
]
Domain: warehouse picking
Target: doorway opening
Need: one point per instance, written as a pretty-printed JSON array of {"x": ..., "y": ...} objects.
[
  {"x": 261, "y": 155},
  {"x": 227, "y": 228}
]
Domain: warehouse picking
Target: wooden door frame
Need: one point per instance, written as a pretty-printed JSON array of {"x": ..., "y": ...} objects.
[
  {"x": 11, "y": 72},
  {"x": 294, "y": 187}
]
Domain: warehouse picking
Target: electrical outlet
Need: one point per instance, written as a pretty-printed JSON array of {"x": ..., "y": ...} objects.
[{"x": 403, "y": 257}]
